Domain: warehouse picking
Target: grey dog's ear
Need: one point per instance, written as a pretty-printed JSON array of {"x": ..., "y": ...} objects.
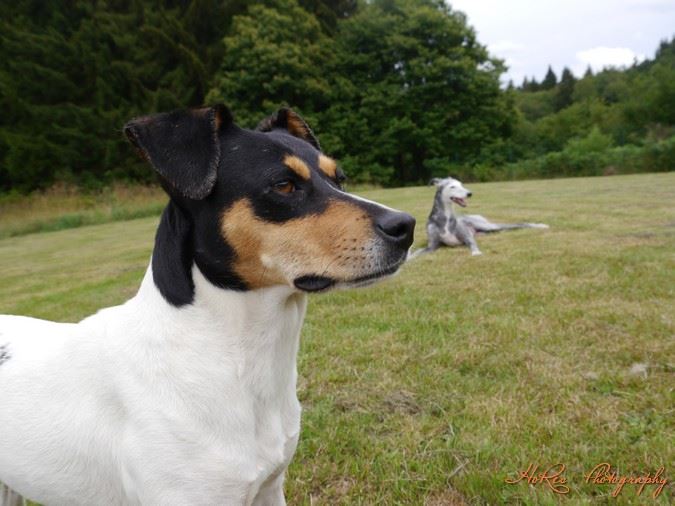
[
  {"x": 434, "y": 181},
  {"x": 289, "y": 120},
  {"x": 182, "y": 146}
]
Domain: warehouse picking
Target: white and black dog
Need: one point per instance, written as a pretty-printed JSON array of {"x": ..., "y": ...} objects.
[
  {"x": 444, "y": 228},
  {"x": 186, "y": 394}
]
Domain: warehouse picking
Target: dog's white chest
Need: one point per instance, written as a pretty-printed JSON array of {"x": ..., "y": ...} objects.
[{"x": 447, "y": 237}]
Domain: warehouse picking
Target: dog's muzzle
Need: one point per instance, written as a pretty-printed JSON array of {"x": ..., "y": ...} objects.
[{"x": 395, "y": 231}]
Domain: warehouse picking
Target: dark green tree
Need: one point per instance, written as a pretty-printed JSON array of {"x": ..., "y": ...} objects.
[
  {"x": 72, "y": 72},
  {"x": 565, "y": 91},
  {"x": 274, "y": 54},
  {"x": 416, "y": 92},
  {"x": 533, "y": 85},
  {"x": 330, "y": 12},
  {"x": 550, "y": 80}
]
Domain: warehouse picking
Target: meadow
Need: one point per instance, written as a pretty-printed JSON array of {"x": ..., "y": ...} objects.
[{"x": 555, "y": 346}]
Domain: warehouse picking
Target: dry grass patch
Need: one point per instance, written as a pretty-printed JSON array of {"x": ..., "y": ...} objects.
[{"x": 62, "y": 207}]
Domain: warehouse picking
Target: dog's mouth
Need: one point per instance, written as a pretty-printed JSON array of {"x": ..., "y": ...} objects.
[
  {"x": 459, "y": 201},
  {"x": 313, "y": 284}
]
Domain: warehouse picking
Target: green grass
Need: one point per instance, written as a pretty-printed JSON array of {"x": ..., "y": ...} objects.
[{"x": 434, "y": 387}]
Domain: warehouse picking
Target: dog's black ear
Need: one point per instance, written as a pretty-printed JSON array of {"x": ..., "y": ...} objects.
[
  {"x": 291, "y": 121},
  {"x": 182, "y": 146},
  {"x": 434, "y": 181}
]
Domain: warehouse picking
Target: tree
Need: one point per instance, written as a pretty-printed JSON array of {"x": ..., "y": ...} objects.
[
  {"x": 416, "y": 92},
  {"x": 71, "y": 74},
  {"x": 565, "y": 91},
  {"x": 533, "y": 85},
  {"x": 274, "y": 54},
  {"x": 550, "y": 80},
  {"x": 330, "y": 12}
]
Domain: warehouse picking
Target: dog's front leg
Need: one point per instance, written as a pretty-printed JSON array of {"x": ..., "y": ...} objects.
[
  {"x": 474, "y": 247},
  {"x": 433, "y": 243},
  {"x": 468, "y": 237}
]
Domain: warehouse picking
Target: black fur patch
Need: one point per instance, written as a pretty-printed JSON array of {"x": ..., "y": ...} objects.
[
  {"x": 182, "y": 146},
  {"x": 172, "y": 257},
  {"x": 4, "y": 353}
]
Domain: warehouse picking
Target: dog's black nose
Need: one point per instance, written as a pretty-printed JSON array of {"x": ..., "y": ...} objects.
[
  {"x": 396, "y": 227},
  {"x": 469, "y": 194}
]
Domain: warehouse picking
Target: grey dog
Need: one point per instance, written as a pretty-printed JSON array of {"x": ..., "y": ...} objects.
[{"x": 444, "y": 228}]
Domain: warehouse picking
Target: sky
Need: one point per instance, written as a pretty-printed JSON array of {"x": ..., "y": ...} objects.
[{"x": 531, "y": 34}]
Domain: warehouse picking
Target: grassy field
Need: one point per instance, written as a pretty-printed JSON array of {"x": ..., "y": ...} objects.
[{"x": 555, "y": 346}]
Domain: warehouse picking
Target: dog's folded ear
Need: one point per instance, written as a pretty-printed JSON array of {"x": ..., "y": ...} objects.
[
  {"x": 434, "y": 181},
  {"x": 289, "y": 120},
  {"x": 182, "y": 146}
]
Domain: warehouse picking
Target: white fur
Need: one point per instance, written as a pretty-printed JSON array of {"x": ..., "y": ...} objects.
[{"x": 146, "y": 403}]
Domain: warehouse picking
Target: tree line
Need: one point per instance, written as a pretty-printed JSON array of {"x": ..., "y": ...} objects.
[{"x": 398, "y": 90}]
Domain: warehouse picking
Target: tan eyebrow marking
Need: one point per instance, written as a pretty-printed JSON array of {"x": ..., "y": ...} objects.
[
  {"x": 327, "y": 165},
  {"x": 298, "y": 166}
]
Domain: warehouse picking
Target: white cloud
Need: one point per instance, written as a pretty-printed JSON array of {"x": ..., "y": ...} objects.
[
  {"x": 530, "y": 35},
  {"x": 602, "y": 56},
  {"x": 505, "y": 46},
  {"x": 655, "y": 5}
]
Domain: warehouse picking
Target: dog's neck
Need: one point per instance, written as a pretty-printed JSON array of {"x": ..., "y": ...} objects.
[
  {"x": 254, "y": 334},
  {"x": 447, "y": 209}
]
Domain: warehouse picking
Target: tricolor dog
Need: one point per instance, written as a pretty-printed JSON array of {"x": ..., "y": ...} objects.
[
  {"x": 444, "y": 228},
  {"x": 186, "y": 394}
]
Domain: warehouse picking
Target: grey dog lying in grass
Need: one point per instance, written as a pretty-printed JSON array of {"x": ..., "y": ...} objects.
[{"x": 444, "y": 228}]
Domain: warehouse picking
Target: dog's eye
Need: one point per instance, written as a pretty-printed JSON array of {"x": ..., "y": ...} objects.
[{"x": 284, "y": 187}]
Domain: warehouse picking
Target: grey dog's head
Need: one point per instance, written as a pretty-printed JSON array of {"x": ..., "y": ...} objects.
[{"x": 451, "y": 191}]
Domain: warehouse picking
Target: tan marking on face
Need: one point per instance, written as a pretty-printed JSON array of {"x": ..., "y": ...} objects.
[
  {"x": 296, "y": 126},
  {"x": 297, "y": 165},
  {"x": 327, "y": 165},
  {"x": 336, "y": 243}
]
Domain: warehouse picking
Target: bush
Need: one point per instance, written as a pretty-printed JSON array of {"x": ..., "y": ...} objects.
[
  {"x": 586, "y": 157},
  {"x": 594, "y": 142}
]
